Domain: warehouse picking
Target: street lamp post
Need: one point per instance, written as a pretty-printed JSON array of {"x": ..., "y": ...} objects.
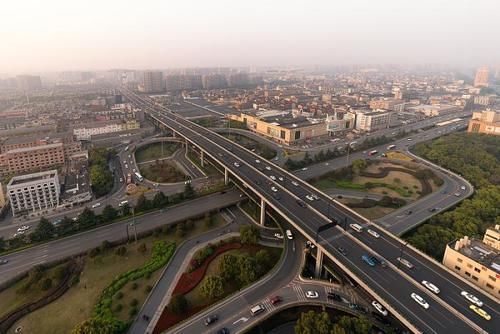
[{"x": 401, "y": 249}]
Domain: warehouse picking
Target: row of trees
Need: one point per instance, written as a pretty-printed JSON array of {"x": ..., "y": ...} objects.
[
  {"x": 101, "y": 177},
  {"x": 320, "y": 323},
  {"x": 46, "y": 230},
  {"x": 477, "y": 158}
]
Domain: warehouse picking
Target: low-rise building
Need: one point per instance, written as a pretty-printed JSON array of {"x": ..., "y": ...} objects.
[
  {"x": 435, "y": 109},
  {"x": 33, "y": 192},
  {"x": 486, "y": 121},
  {"x": 476, "y": 261},
  {"x": 282, "y": 127},
  {"x": 372, "y": 120},
  {"x": 492, "y": 237},
  {"x": 388, "y": 104},
  {"x": 84, "y": 132}
]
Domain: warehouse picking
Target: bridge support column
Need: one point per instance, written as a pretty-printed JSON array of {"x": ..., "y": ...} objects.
[
  {"x": 226, "y": 176},
  {"x": 201, "y": 159},
  {"x": 319, "y": 263},
  {"x": 262, "y": 211}
]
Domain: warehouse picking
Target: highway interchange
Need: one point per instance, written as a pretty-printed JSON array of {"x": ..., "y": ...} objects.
[{"x": 448, "y": 311}]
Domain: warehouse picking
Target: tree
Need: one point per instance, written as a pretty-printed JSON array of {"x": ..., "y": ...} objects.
[
  {"x": 109, "y": 213},
  {"x": 142, "y": 248},
  {"x": 96, "y": 326},
  {"x": 46, "y": 284},
  {"x": 45, "y": 230},
  {"x": 142, "y": 204},
  {"x": 160, "y": 200},
  {"x": 189, "y": 192},
  {"x": 178, "y": 304},
  {"x": 2, "y": 244},
  {"x": 87, "y": 218},
  {"x": 358, "y": 165},
  {"x": 249, "y": 234},
  {"x": 229, "y": 267},
  {"x": 313, "y": 323},
  {"x": 125, "y": 209},
  {"x": 355, "y": 325},
  {"x": 180, "y": 230},
  {"x": 213, "y": 287},
  {"x": 263, "y": 259},
  {"x": 247, "y": 269}
]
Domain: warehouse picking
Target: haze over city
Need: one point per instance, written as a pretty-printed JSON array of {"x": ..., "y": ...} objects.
[{"x": 58, "y": 35}]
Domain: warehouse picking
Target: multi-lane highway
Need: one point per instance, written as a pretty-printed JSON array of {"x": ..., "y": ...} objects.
[
  {"x": 23, "y": 261},
  {"x": 447, "y": 311}
]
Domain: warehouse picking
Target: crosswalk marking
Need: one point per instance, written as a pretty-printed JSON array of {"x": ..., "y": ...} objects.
[{"x": 301, "y": 296}]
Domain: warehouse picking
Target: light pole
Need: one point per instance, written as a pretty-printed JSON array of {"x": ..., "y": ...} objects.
[
  {"x": 401, "y": 253},
  {"x": 348, "y": 149}
]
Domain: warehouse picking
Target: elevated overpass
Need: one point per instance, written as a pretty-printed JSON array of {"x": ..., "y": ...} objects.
[{"x": 391, "y": 285}]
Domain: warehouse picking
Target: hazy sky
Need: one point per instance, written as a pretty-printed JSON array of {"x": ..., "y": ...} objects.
[{"x": 46, "y": 35}]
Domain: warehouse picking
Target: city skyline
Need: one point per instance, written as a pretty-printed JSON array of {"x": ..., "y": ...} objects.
[{"x": 56, "y": 36}]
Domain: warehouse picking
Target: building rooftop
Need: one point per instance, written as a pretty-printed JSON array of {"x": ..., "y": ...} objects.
[
  {"x": 34, "y": 148},
  {"x": 32, "y": 138},
  {"x": 16, "y": 180},
  {"x": 288, "y": 121},
  {"x": 481, "y": 253}
]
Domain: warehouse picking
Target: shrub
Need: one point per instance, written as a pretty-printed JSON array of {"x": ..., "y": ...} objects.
[
  {"x": 166, "y": 229},
  {"x": 94, "y": 252},
  {"x": 134, "y": 302},
  {"x": 189, "y": 224},
  {"x": 46, "y": 284},
  {"x": 121, "y": 251},
  {"x": 60, "y": 272},
  {"x": 157, "y": 231},
  {"x": 105, "y": 245},
  {"x": 148, "y": 288},
  {"x": 142, "y": 248},
  {"x": 118, "y": 307},
  {"x": 119, "y": 295},
  {"x": 133, "y": 311},
  {"x": 178, "y": 304},
  {"x": 74, "y": 280},
  {"x": 134, "y": 286}
]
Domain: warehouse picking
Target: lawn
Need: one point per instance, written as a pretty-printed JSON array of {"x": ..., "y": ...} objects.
[
  {"x": 398, "y": 156},
  {"x": 11, "y": 299},
  {"x": 154, "y": 151},
  {"x": 163, "y": 172},
  {"x": 263, "y": 150},
  {"x": 76, "y": 305},
  {"x": 370, "y": 213}
]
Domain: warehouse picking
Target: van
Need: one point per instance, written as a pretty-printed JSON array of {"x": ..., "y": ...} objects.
[
  {"x": 356, "y": 227},
  {"x": 122, "y": 203},
  {"x": 289, "y": 234},
  {"x": 257, "y": 309}
]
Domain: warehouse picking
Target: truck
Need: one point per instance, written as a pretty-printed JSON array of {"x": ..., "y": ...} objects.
[{"x": 138, "y": 176}]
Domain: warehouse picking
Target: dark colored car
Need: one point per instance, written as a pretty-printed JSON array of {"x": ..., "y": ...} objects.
[
  {"x": 223, "y": 331},
  {"x": 211, "y": 319},
  {"x": 334, "y": 296},
  {"x": 275, "y": 300},
  {"x": 4, "y": 261},
  {"x": 342, "y": 250},
  {"x": 301, "y": 203}
]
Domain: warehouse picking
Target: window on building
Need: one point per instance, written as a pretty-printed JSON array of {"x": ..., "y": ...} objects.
[
  {"x": 297, "y": 135},
  {"x": 475, "y": 278},
  {"x": 467, "y": 273},
  {"x": 457, "y": 268},
  {"x": 459, "y": 260},
  {"x": 489, "y": 286},
  {"x": 477, "y": 270},
  {"x": 469, "y": 265},
  {"x": 493, "y": 278}
]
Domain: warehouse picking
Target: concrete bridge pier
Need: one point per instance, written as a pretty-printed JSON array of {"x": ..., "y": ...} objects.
[
  {"x": 262, "y": 211},
  {"x": 319, "y": 263},
  {"x": 201, "y": 159},
  {"x": 226, "y": 176}
]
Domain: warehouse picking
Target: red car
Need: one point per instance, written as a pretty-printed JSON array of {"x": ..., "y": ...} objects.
[{"x": 275, "y": 300}]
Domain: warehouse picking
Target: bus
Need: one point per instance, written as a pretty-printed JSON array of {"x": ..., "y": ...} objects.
[
  {"x": 372, "y": 152},
  {"x": 138, "y": 176},
  {"x": 391, "y": 147}
]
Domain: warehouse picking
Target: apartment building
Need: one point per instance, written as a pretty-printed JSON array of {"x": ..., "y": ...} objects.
[
  {"x": 152, "y": 82},
  {"x": 486, "y": 121},
  {"x": 33, "y": 192},
  {"x": 372, "y": 120},
  {"x": 481, "y": 78},
  {"x": 387, "y": 104},
  {"x": 85, "y": 132},
  {"x": 476, "y": 261}
]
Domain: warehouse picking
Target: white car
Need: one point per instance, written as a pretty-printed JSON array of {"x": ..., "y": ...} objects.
[
  {"x": 473, "y": 299},
  {"x": 379, "y": 308},
  {"x": 312, "y": 294},
  {"x": 272, "y": 177},
  {"x": 236, "y": 164},
  {"x": 457, "y": 194},
  {"x": 310, "y": 244},
  {"x": 268, "y": 168},
  {"x": 281, "y": 178},
  {"x": 278, "y": 235},
  {"x": 257, "y": 161},
  {"x": 409, "y": 139},
  {"x": 421, "y": 301},
  {"x": 274, "y": 189},
  {"x": 23, "y": 228},
  {"x": 304, "y": 169},
  {"x": 96, "y": 205},
  {"x": 295, "y": 183},
  {"x": 309, "y": 197},
  {"x": 431, "y": 287},
  {"x": 462, "y": 187},
  {"x": 289, "y": 234},
  {"x": 373, "y": 233}
]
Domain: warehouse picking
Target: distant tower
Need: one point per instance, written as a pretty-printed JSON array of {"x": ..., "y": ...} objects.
[{"x": 481, "y": 79}]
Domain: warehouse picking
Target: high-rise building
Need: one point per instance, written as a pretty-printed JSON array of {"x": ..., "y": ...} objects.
[
  {"x": 152, "y": 82},
  {"x": 372, "y": 120},
  {"x": 33, "y": 192},
  {"x": 481, "y": 79},
  {"x": 29, "y": 82},
  {"x": 214, "y": 81}
]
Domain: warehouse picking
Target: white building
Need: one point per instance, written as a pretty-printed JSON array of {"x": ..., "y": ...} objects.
[
  {"x": 334, "y": 124},
  {"x": 34, "y": 192},
  {"x": 434, "y": 110},
  {"x": 372, "y": 120},
  {"x": 85, "y": 132}
]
